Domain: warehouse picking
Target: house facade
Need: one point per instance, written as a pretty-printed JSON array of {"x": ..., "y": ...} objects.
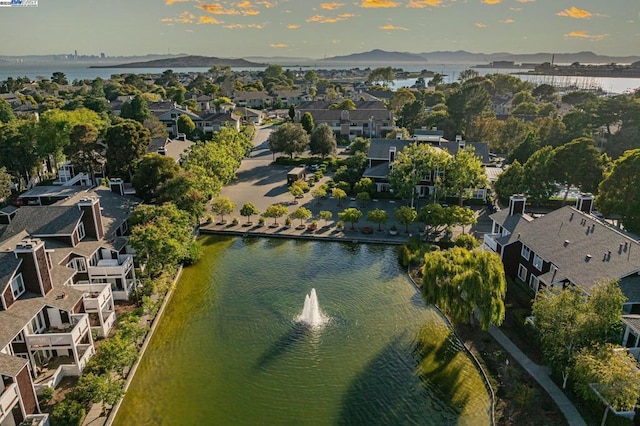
[{"x": 61, "y": 267}]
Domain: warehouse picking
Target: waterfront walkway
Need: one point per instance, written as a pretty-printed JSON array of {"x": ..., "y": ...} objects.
[{"x": 541, "y": 375}]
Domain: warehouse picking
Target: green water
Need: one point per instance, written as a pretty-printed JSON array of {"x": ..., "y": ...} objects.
[{"x": 228, "y": 350}]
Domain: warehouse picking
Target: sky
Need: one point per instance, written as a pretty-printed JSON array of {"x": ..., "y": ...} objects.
[{"x": 319, "y": 29}]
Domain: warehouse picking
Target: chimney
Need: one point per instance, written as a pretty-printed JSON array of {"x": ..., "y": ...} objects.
[
  {"x": 117, "y": 185},
  {"x": 398, "y": 136},
  {"x": 36, "y": 271},
  {"x": 585, "y": 202},
  {"x": 92, "y": 217},
  {"x": 392, "y": 154},
  {"x": 516, "y": 204}
]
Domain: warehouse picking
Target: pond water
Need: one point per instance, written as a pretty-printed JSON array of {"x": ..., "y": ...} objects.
[{"x": 229, "y": 349}]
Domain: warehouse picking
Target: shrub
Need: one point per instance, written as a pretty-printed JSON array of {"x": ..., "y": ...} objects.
[
  {"x": 193, "y": 254},
  {"x": 68, "y": 413},
  {"x": 261, "y": 220},
  {"x": 46, "y": 394},
  {"x": 466, "y": 241}
]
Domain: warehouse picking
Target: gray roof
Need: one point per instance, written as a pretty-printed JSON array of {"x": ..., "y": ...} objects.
[
  {"x": 379, "y": 171},
  {"x": 14, "y": 319},
  {"x": 633, "y": 321},
  {"x": 54, "y": 191},
  {"x": 11, "y": 365},
  {"x": 44, "y": 221},
  {"x": 379, "y": 148},
  {"x": 360, "y": 105},
  {"x": 8, "y": 210},
  {"x": 584, "y": 249},
  {"x": 509, "y": 222},
  {"x": 9, "y": 264},
  {"x": 481, "y": 149},
  {"x": 630, "y": 287}
]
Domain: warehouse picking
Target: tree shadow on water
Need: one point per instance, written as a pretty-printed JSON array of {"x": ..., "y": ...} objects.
[{"x": 297, "y": 334}]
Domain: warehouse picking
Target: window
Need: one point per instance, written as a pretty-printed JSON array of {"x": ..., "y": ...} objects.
[
  {"x": 522, "y": 272},
  {"x": 534, "y": 282},
  {"x": 538, "y": 262},
  {"x": 81, "y": 233},
  {"x": 17, "y": 286},
  {"x": 525, "y": 252},
  {"x": 78, "y": 263}
]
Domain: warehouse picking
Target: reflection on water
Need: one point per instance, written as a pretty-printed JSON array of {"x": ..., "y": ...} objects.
[{"x": 228, "y": 349}]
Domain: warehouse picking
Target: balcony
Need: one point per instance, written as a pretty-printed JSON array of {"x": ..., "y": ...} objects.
[
  {"x": 8, "y": 399},
  {"x": 36, "y": 420},
  {"x": 490, "y": 241},
  {"x": 55, "y": 338},
  {"x": 96, "y": 296},
  {"x": 112, "y": 267},
  {"x": 58, "y": 367}
]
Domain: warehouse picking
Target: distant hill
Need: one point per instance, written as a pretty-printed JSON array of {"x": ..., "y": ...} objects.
[
  {"x": 376, "y": 56},
  {"x": 185, "y": 62}
]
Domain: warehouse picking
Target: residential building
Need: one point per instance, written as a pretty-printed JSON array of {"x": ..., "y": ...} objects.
[{"x": 61, "y": 267}]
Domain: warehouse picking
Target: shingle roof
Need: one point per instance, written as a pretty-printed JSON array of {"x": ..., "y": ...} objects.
[
  {"x": 379, "y": 148},
  {"x": 44, "y": 221},
  {"x": 11, "y": 365},
  {"x": 567, "y": 237},
  {"x": 9, "y": 264},
  {"x": 379, "y": 171}
]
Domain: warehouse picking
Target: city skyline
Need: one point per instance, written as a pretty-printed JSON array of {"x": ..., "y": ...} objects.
[{"x": 234, "y": 29}]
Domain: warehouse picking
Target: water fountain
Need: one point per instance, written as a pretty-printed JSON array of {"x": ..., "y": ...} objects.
[{"x": 311, "y": 313}]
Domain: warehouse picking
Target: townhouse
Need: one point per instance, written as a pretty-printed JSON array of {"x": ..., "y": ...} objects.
[
  {"x": 569, "y": 247},
  {"x": 61, "y": 268}
]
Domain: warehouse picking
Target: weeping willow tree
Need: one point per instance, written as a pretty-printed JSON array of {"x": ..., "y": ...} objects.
[{"x": 465, "y": 285}]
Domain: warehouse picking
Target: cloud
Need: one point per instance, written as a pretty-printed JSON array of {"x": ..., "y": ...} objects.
[
  {"x": 233, "y": 26},
  {"x": 586, "y": 35},
  {"x": 218, "y": 9},
  {"x": 480, "y": 25},
  {"x": 293, "y": 26},
  {"x": 516, "y": 9},
  {"x": 525, "y": 1},
  {"x": 170, "y": 2},
  {"x": 279, "y": 45},
  {"x": 331, "y": 6},
  {"x": 373, "y": 4},
  {"x": 574, "y": 12},
  {"x": 419, "y": 4},
  {"x": 209, "y": 20},
  {"x": 491, "y": 1},
  {"x": 507, "y": 21},
  {"x": 321, "y": 19},
  {"x": 390, "y": 27},
  {"x": 244, "y": 5},
  {"x": 183, "y": 18},
  {"x": 266, "y": 4}
]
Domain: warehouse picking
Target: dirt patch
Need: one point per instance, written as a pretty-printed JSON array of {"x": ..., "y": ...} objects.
[
  {"x": 519, "y": 398},
  {"x": 65, "y": 386}
]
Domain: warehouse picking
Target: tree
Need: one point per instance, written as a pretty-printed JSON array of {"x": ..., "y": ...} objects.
[
  {"x": 467, "y": 74},
  {"x": 296, "y": 191},
  {"x": 525, "y": 149},
  {"x": 351, "y": 215},
  {"x": 510, "y": 182},
  {"x": 6, "y": 112},
  {"x": 406, "y": 216},
  {"x": 59, "y": 78},
  {"x": 55, "y": 127},
  {"x": 538, "y": 176},
  {"x": 464, "y": 284},
  {"x": 5, "y": 184},
  {"x": 338, "y": 194},
  {"x": 275, "y": 211},
  {"x": 157, "y": 128},
  {"x": 414, "y": 164},
  {"x": 301, "y": 213},
  {"x": 325, "y": 215},
  {"x": 126, "y": 143},
  {"x": 568, "y": 321},
  {"x": 135, "y": 109},
  {"x": 153, "y": 171},
  {"x": 378, "y": 216},
  {"x": 400, "y": 98},
  {"x": 618, "y": 193},
  {"x": 248, "y": 210},
  {"x": 186, "y": 125},
  {"x": 311, "y": 76},
  {"x": 365, "y": 185},
  {"x": 289, "y": 138},
  {"x": 578, "y": 163},
  {"x": 185, "y": 191},
  {"x": 363, "y": 198},
  {"x": 384, "y": 75},
  {"x": 360, "y": 144},
  {"x": 319, "y": 194},
  {"x": 610, "y": 370},
  {"x": 323, "y": 141},
  {"x": 83, "y": 150},
  {"x": 307, "y": 122},
  {"x": 222, "y": 206},
  {"x": 292, "y": 112},
  {"x": 18, "y": 151},
  {"x": 464, "y": 173},
  {"x": 462, "y": 216}
]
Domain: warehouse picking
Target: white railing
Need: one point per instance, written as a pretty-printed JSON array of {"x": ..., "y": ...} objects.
[
  {"x": 125, "y": 263},
  {"x": 37, "y": 419},
  {"x": 103, "y": 330},
  {"x": 8, "y": 399},
  {"x": 489, "y": 241},
  {"x": 95, "y": 303},
  {"x": 89, "y": 351},
  {"x": 58, "y": 340}
]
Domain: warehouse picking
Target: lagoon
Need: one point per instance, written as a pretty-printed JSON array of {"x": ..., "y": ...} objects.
[{"x": 228, "y": 349}]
